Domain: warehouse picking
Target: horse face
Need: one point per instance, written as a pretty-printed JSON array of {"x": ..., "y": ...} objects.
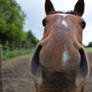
[
  {"x": 60, "y": 55},
  {"x": 64, "y": 23}
]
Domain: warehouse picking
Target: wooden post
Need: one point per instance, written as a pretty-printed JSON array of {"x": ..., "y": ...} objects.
[{"x": 1, "y": 85}]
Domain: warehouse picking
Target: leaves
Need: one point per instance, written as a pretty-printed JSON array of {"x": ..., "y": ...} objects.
[
  {"x": 31, "y": 39},
  {"x": 11, "y": 21}
]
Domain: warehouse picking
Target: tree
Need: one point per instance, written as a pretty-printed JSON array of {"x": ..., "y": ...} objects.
[
  {"x": 90, "y": 44},
  {"x": 31, "y": 40},
  {"x": 11, "y": 21}
]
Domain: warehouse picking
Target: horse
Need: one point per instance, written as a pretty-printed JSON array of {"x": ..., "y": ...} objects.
[{"x": 60, "y": 63}]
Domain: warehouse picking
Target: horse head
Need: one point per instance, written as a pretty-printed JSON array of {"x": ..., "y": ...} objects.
[{"x": 60, "y": 61}]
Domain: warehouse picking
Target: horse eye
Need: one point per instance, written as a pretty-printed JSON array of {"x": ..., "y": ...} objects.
[
  {"x": 83, "y": 24},
  {"x": 44, "y": 22}
]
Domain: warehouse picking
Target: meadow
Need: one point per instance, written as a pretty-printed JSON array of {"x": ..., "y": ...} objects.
[
  {"x": 89, "y": 49},
  {"x": 8, "y": 54}
]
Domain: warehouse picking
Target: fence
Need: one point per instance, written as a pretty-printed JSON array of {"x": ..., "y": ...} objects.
[
  {"x": 1, "y": 88},
  {"x": 14, "y": 46}
]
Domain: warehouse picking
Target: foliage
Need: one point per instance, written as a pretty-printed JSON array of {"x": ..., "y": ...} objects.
[
  {"x": 6, "y": 46},
  {"x": 31, "y": 39},
  {"x": 14, "y": 53},
  {"x": 11, "y": 21},
  {"x": 90, "y": 44},
  {"x": 11, "y": 25},
  {"x": 89, "y": 49}
]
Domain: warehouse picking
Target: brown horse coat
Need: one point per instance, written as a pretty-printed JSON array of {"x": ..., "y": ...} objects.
[{"x": 60, "y": 63}]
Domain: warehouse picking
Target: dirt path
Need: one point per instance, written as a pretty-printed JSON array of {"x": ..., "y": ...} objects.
[{"x": 16, "y": 75}]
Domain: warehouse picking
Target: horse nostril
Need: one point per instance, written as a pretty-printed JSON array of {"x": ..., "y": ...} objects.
[{"x": 84, "y": 67}]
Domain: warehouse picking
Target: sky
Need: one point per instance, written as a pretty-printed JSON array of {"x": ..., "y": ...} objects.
[{"x": 34, "y": 10}]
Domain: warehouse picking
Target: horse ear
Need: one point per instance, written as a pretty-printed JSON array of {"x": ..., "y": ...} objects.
[
  {"x": 49, "y": 7},
  {"x": 35, "y": 63},
  {"x": 84, "y": 65},
  {"x": 79, "y": 8}
]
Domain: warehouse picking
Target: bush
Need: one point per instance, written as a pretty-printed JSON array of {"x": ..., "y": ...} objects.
[
  {"x": 90, "y": 44},
  {"x": 31, "y": 40}
]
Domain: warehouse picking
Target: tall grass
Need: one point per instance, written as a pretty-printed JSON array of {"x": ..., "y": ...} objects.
[{"x": 14, "y": 53}]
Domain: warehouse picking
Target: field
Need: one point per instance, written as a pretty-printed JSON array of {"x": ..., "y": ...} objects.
[
  {"x": 8, "y": 54},
  {"x": 17, "y": 78},
  {"x": 88, "y": 49}
]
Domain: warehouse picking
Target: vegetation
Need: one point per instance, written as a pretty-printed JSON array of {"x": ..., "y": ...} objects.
[
  {"x": 89, "y": 49},
  {"x": 30, "y": 39},
  {"x": 11, "y": 21},
  {"x": 13, "y": 53},
  {"x": 11, "y": 25},
  {"x": 90, "y": 44},
  {"x": 15, "y": 41}
]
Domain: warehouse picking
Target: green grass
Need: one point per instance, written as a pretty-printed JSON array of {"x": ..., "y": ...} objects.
[
  {"x": 14, "y": 53},
  {"x": 88, "y": 49}
]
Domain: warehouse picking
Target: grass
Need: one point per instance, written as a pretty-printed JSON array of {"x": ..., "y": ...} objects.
[
  {"x": 14, "y": 53},
  {"x": 88, "y": 49}
]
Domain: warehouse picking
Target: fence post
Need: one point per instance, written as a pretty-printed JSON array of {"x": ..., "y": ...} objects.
[{"x": 1, "y": 85}]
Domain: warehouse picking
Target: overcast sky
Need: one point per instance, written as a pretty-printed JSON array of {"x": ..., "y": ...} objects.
[{"x": 34, "y": 9}]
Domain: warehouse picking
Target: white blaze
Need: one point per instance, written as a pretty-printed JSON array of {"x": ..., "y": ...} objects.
[
  {"x": 65, "y": 56},
  {"x": 64, "y": 15},
  {"x": 65, "y": 23}
]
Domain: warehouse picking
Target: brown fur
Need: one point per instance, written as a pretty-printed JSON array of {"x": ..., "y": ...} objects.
[{"x": 47, "y": 63}]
